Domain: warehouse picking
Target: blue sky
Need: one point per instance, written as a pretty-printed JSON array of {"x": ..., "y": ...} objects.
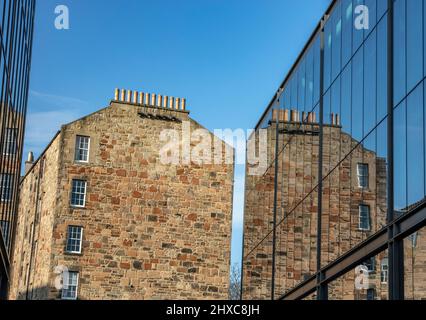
[{"x": 227, "y": 57}]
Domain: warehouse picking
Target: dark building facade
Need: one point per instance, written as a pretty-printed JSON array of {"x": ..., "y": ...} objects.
[
  {"x": 340, "y": 212},
  {"x": 16, "y": 33}
]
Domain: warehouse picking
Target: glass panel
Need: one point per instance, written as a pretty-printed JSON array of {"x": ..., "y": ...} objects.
[
  {"x": 370, "y": 88},
  {"x": 382, "y": 69},
  {"x": 400, "y": 158},
  {"x": 368, "y": 281},
  {"x": 414, "y": 266},
  {"x": 336, "y": 21},
  {"x": 400, "y": 80},
  {"x": 414, "y": 43},
  {"x": 358, "y": 34},
  {"x": 372, "y": 12},
  {"x": 328, "y": 38},
  {"x": 382, "y": 7},
  {"x": 347, "y": 13},
  {"x": 346, "y": 119},
  {"x": 415, "y": 145},
  {"x": 357, "y": 95}
]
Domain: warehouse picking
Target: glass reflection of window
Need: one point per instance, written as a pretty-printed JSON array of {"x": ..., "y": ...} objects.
[
  {"x": 371, "y": 294},
  {"x": 364, "y": 218},
  {"x": 384, "y": 271},
  {"x": 363, "y": 175},
  {"x": 370, "y": 264}
]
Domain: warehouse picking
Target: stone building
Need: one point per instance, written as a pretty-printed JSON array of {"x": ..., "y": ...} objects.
[
  {"x": 101, "y": 204},
  {"x": 354, "y": 206}
]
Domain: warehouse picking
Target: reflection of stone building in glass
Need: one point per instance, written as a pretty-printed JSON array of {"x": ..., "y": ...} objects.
[
  {"x": 354, "y": 205},
  {"x": 11, "y": 145}
]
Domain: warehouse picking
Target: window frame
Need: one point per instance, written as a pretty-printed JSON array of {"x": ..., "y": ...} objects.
[
  {"x": 69, "y": 238},
  {"x": 77, "y": 149},
  {"x": 360, "y": 217},
  {"x": 63, "y": 297},
  {"x": 84, "y": 194},
  {"x": 365, "y": 175}
]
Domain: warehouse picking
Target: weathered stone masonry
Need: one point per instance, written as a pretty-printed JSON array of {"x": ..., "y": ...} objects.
[{"x": 151, "y": 231}]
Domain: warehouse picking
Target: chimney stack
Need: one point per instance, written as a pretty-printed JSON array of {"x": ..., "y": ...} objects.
[
  {"x": 30, "y": 162},
  {"x": 150, "y": 100}
]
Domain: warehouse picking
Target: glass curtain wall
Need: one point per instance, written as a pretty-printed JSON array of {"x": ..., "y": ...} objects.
[
  {"x": 326, "y": 189},
  {"x": 16, "y": 33}
]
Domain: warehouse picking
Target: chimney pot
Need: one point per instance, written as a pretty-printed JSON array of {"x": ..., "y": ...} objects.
[
  {"x": 153, "y": 98},
  {"x": 337, "y": 120},
  {"x": 310, "y": 118},
  {"x": 183, "y": 104},
  {"x": 123, "y": 95},
  {"x": 171, "y": 102},
  {"x": 30, "y": 157},
  {"x": 294, "y": 116},
  {"x": 286, "y": 115},
  {"x": 135, "y": 97},
  {"x": 129, "y": 96},
  {"x": 274, "y": 115},
  {"x": 177, "y": 103},
  {"x": 141, "y": 96},
  {"x": 146, "y": 99},
  {"x": 165, "y": 102},
  {"x": 117, "y": 94},
  {"x": 29, "y": 163},
  {"x": 332, "y": 119},
  {"x": 160, "y": 101}
]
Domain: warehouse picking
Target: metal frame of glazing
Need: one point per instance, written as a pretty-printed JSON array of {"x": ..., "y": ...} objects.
[
  {"x": 16, "y": 36},
  {"x": 397, "y": 227}
]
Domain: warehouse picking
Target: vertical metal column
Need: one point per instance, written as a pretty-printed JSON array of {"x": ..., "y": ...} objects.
[
  {"x": 395, "y": 248},
  {"x": 322, "y": 293}
]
